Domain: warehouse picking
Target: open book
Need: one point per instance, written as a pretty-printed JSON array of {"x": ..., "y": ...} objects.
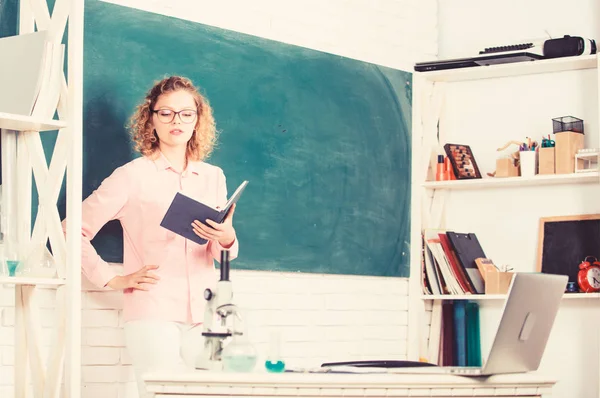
[{"x": 184, "y": 210}]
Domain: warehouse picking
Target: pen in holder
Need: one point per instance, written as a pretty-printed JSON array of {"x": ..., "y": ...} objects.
[
  {"x": 546, "y": 156},
  {"x": 528, "y": 159},
  {"x": 507, "y": 163}
]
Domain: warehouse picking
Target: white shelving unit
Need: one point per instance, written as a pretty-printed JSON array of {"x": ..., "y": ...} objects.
[
  {"x": 513, "y": 69},
  {"x": 537, "y": 180},
  {"x": 473, "y": 297},
  {"x": 428, "y": 87},
  {"x": 484, "y": 297},
  {"x": 30, "y": 281},
  {"x": 23, "y": 156},
  {"x": 29, "y": 123}
]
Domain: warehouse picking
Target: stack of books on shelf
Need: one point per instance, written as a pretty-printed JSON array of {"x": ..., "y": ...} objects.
[
  {"x": 449, "y": 265},
  {"x": 454, "y": 338}
]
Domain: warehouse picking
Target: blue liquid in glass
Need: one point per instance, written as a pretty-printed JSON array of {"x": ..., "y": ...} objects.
[
  {"x": 12, "y": 267},
  {"x": 275, "y": 367},
  {"x": 239, "y": 363}
]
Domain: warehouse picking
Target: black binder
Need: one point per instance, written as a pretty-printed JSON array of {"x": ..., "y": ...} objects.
[{"x": 467, "y": 249}]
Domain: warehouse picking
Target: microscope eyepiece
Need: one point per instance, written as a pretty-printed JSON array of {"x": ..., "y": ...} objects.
[{"x": 224, "y": 266}]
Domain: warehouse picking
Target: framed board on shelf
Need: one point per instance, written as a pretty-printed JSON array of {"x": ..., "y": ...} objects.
[{"x": 565, "y": 241}]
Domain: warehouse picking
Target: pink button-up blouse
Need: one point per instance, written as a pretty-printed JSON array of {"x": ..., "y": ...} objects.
[{"x": 138, "y": 195}]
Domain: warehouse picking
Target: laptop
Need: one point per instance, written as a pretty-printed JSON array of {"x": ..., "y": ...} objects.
[
  {"x": 484, "y": 60},
  {"x": 527, "y": 318}
]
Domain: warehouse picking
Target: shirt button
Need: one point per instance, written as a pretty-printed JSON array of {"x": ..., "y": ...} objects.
[{"x": 190, "y": 250}]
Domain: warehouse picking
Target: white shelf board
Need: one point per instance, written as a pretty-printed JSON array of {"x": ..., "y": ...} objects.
[
  {"x": 18, "y": 280},
  {"x": 513, "y": 69},
  {"x": 478, "y": 297},
  {"x": 502, "y": 182},
  {"x": 25, "y": 123},
  {"x": 580, "y": 296},
  {"x": 463, "y": 296}
]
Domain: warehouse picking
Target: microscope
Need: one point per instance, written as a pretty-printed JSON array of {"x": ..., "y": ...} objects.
[{"x": 219, "y": 304}]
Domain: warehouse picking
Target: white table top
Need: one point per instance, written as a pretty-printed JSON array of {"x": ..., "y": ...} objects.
[{"x": 199, "y": 383}]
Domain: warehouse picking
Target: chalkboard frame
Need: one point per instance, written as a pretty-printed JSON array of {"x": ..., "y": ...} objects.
[
  {"x": 324, "y": 140},
  {"x": 557, "y": 219}
]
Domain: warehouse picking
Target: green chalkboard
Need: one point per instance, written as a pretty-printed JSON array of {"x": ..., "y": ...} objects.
[
  {"x": 324, "y": 140},
  {"x": 8, "y": 17}
]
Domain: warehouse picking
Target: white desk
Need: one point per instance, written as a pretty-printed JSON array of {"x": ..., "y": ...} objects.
[{"x": 208, "y": 384}]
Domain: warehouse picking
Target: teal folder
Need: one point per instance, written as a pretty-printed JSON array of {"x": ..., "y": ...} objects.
[{"x": 473, "y": 334}]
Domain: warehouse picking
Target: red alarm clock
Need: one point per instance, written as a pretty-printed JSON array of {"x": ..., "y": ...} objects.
[{"x": 589, "y": 275}]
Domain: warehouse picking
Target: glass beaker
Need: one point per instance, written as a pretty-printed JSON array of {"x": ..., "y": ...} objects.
[
  {"x": 39, "y": 264},
  {"x": 3, "y": 245},
  {"x": 274, "y": 362},
  {"x": 46, "y": 266},
  {"x": 239, "y": 355},
  {"x": 11, "y": 254},
  {"x": 3, "y": 267}
]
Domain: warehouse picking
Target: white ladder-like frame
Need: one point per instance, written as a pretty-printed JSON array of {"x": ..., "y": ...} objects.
[
  {"x": 427, "y": 206},
  {"x": 24, "y": 150}
]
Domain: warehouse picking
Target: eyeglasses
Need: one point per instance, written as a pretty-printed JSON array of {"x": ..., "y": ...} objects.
[{"x": 167, "y": 115}]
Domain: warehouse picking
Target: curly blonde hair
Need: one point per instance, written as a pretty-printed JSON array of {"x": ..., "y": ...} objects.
[{"x": 203, "y": 140}]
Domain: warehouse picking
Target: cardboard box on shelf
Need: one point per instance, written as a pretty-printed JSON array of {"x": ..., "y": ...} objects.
[
  {"x": 506, "y": 167},
  {"x": 546, "y": 163},
  {"x": 567, "y": 145},
  {"x": 497, "y": 282}
]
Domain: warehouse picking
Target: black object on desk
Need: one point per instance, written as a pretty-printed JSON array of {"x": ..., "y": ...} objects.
[{"x": 380, "y": 364}]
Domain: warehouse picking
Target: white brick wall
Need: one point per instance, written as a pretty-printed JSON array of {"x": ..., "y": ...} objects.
[
  {"x": 325, "y": 317},
  {"x": 321, "y": 317}
]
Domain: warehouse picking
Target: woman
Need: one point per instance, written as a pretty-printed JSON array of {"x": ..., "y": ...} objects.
[{"x": 165, "y": 274}]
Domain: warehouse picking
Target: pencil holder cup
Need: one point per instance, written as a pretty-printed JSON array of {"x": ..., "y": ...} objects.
[
  {"x": 498, "y": 282},
  {"x": 546, "y": 160},
  {"x": 528, "y": 163}
]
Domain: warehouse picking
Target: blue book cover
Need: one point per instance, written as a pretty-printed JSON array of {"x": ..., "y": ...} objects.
[
  {"x": 183, "y": 210},
  {"x": 460, "y": 333},
  {"x": 473, "y": 334}
]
